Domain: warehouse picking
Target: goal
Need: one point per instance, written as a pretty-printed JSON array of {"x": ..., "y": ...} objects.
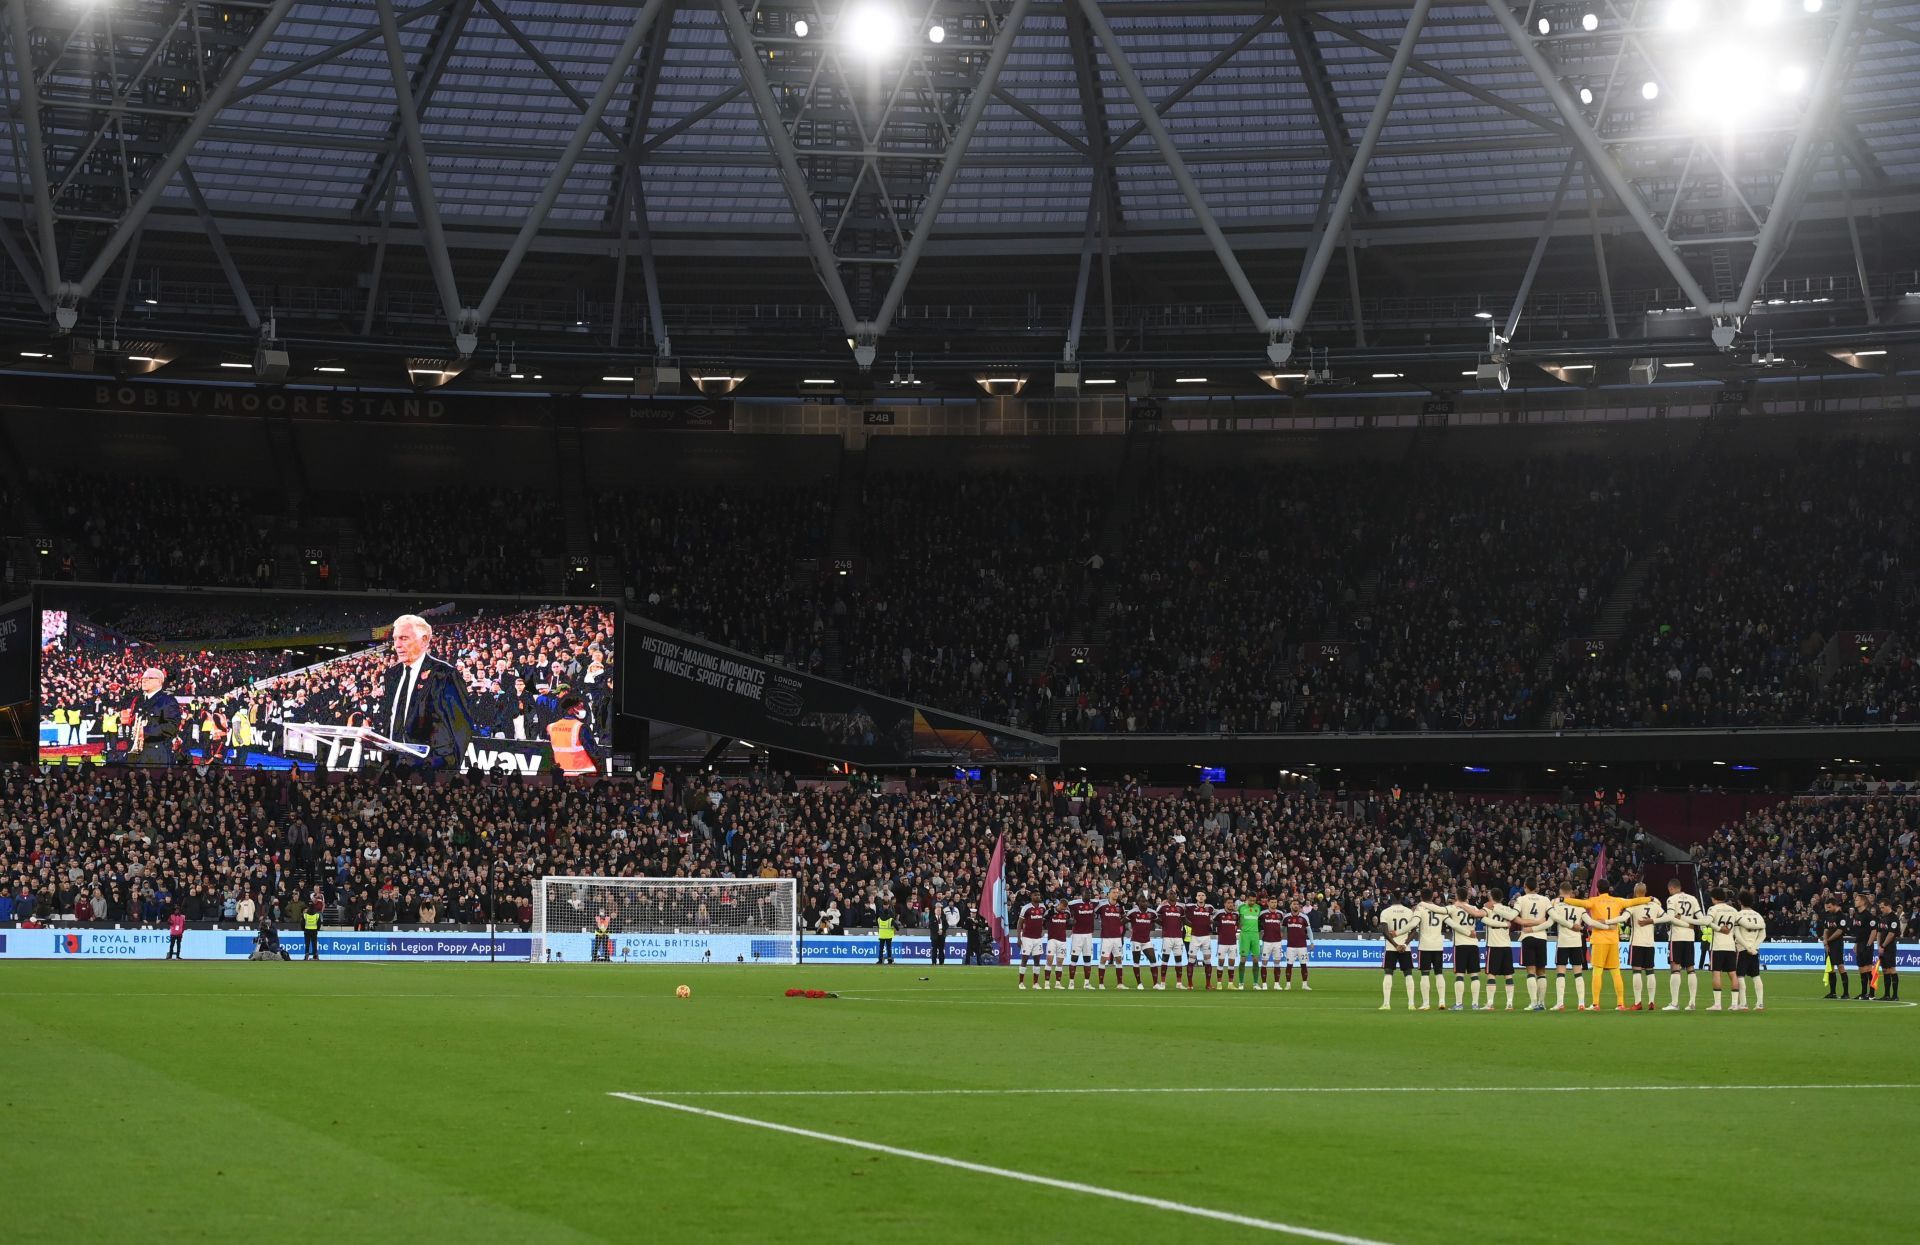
[{"x": 666, "y": 920}]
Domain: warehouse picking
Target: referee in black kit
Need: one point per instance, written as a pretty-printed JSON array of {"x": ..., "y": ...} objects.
[
  {"x": 1860, "y": 925},
  {"x": 1833, "y": 936}
]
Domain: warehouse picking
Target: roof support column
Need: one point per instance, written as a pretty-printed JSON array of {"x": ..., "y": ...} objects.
[
  {"x": 1802, "y": 157},
  {"x": 805, "y": 214},
  {"x": 36, "y": 173},
  {"x": 157, "y": 184},
  {"x": 582, "y": 133},
  {"x": 420, "y": 186},
  {"x": 219, "y": 244},
  {"x": 950, "y": 165},
  {"x": 1599, "y": 161},
  {"x": 1338, "y": 220},
  {"x": 1150, "y": 118}
]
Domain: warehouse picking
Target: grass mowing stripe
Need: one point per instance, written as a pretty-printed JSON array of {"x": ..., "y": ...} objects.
[
  {"x": 1070, "y": 1186},
  {"x": 1245, "y": 1089}
]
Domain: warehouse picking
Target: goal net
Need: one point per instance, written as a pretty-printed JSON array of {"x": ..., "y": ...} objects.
[{"x": 666, "y": 920}]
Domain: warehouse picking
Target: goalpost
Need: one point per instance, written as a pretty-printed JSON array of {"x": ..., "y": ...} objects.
[{"x": 666, "y": 920}]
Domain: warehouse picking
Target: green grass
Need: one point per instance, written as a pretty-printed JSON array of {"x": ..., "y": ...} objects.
[{"x": 194, "y": 1102}]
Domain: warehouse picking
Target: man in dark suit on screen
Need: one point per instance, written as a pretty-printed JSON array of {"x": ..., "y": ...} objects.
[
  {"x": 423, "y": 701},
  {"x": 152, "y": 721}
]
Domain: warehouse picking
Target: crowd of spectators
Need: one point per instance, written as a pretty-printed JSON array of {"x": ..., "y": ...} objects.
[
  {"x": 134, "y": 844},
  {"x": 1796, "y": 855},
  {"x": 1318, "y": 596},
  {"x": 1771, "y": 556},
  {"x": 460, "y": 539},
  {"x": 966, "y": 575},
  {"x": 140, "y": 530},
  {"x": 721, "y": 561}
]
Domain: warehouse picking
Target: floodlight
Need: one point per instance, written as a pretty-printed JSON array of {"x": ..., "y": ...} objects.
[
  {"x": 1683, "y": 15},
  {"x": 936, "y": 34},
  {"x": 871, "y": 28},
  {"x": 1544, "y": 26},
  {"x": 800, "y": 29},
  {"x": 1649, "y": 90},
  {"x": 1589, "y": 22},
  {"x": 1586, "y": 95}
]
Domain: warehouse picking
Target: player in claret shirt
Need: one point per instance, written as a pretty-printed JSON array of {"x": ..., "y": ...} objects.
[
  {"x": 1173, "y": 943},
  {"x": 1299, "y": 943},
  {"x": 1033, "y": 943},
  {"x": 1226, "y": 951},
  {"x": 1057, "y": 922},
  {"x": 1080, "y": 950},
  {"x": 1113, "y": 930},
  {"x": 1273, "y": 944},
  {"x": 1200, "y": 945},
  {"x": 1140, "y": 925}
]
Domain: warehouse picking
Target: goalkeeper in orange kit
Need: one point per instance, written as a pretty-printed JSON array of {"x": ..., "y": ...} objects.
[{"x": 1606, "y": 942}]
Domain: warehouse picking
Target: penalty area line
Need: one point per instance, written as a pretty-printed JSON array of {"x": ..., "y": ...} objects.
[
  {"x": 997, "y": 1092},
  {"x": 983, "y": 1169}
]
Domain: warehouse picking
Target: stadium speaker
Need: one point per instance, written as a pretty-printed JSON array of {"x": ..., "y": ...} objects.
[
  {"x": 1643, "y": 371},
  {"x": 658, "y": 380},
  {"x": 80, "y": 354},
  {"x": 1139, "y": 384},
  {"x": 1066, "y": 384},
  {"x": 269, "y": 365},
  {"x": 1494, "y": 374}
]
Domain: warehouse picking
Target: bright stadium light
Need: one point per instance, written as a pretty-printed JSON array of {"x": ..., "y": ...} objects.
[
  {"x": 937, "y": 34},
  {"x": 1813, "y": 6},
  {"x": 800, "y": 29},
  {"x": 1793, "y": 79},
  {"x": 1586, "y": 95},
  {"x": 1762, "y": 12},
  {"x": 871, "y": 28},
  {"x": 1544, "y": 26},
  {"x": 1589, "y": 22},
  {"x": 1649, "y": 90},
  {"x": 1683, "y": 15}
]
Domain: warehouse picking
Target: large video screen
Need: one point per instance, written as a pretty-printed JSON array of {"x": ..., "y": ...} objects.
[{"x": 422, "y": 682}]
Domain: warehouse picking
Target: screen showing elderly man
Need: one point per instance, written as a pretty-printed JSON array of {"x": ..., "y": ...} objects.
[
  {"x": 152, "y": 721},
  {"x": 423, "y": 700}
]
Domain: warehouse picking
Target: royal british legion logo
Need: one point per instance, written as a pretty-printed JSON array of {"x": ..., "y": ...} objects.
[{"x": 66, "y": 944}]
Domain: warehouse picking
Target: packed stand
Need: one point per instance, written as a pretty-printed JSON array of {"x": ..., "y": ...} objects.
[
  {"x": 721, "y": 561},
  {"x": 1225, "y": 575},
  {"x": 1770, "y": 557},
  {"x": 460, "y": 539},
  {"x": 1797, "y": 855},
  {"x": 138, "y": 530},
  {"x": 968, "y": 574},
  {"x": 131, "y": 846}
]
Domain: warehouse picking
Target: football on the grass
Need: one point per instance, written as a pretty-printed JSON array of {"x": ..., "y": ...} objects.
[{"x": 683, "y": 992}]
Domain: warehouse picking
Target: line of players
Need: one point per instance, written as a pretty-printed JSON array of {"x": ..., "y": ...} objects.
[
  {"x": 1164, "y": 942},
  {"x": 1585, "y": 934}
]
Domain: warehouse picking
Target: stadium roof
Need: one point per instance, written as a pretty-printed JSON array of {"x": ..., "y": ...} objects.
[{"x": 228, "y": 160}]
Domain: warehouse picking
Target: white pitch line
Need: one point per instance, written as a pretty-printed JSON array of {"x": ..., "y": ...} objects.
[
  {"x": 1243, "y": 1089},
  {"x": 983, "y": 1169}
]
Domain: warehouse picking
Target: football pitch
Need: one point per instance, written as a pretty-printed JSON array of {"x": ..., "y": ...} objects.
[{"x": 195, "y": 1102}]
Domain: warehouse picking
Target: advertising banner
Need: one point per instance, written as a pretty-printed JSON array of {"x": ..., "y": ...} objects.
[
  {"x": 674, "y": 677},
  {"x": 16, "y": 651},
  {"x": 463, "y": 947},
  {"x": 690, "y": 414}
]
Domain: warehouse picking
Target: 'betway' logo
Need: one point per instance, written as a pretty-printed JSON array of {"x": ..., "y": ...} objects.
[{"x": 489, "y": 760}]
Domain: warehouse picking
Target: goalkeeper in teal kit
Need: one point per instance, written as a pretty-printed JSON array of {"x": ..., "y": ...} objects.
[{"x": 1249, "y": 937}]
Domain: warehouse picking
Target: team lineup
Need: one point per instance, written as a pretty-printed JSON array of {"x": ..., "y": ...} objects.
[
  {"x": 1165, "y": 942},
  {"x": 1194, "y": 945}
]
